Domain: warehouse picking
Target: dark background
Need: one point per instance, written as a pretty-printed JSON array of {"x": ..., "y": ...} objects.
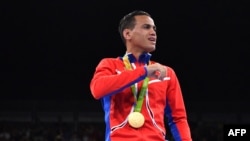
[{"x": 50, "y": 49}]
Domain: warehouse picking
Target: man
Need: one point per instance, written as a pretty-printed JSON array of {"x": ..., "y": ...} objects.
[{"x": 136, "y": 92}]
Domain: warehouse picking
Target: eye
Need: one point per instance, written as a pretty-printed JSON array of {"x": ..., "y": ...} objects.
[{"x": 147, "y": 26}]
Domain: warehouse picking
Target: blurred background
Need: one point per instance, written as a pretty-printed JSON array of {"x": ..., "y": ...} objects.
[{"x": 49, "y": 51}]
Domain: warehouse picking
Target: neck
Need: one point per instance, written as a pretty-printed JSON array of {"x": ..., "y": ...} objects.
[{"x": 137, "y": 53}]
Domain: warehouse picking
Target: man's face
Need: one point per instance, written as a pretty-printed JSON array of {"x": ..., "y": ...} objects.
[{"x": 143, "y": 35}]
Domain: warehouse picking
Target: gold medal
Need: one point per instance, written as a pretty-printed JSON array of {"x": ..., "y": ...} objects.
[{"x": 136, "y": 119}]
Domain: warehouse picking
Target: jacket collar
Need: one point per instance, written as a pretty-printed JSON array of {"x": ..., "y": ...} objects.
[{"x": 143, "y": 58}]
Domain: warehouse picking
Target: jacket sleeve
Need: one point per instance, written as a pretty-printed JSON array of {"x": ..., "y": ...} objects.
[
  {"x": 175, "y": 110},
  {"x": 106, "y": 81}
]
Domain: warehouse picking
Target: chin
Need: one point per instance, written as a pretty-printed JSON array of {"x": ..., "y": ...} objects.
[{"x": 151, "y": 49}]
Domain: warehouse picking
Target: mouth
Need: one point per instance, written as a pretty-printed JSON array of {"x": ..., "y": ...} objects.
[{"x": 152, "y": 39}]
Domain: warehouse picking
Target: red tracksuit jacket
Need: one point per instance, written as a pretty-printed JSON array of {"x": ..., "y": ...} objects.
[{"x": 111, "y": 84}]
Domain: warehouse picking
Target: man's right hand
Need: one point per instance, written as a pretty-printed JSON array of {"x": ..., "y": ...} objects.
[{"x": 157, "y": 71}]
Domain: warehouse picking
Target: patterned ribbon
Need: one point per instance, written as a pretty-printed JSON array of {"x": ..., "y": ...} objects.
[{"x": 143, "y": 90}]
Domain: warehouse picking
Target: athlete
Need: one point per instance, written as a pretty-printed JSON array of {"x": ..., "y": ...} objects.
[{"x": 137, "y": 93}]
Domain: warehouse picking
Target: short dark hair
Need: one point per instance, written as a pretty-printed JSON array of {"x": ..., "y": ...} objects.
[{"x": 128, "y": 21}]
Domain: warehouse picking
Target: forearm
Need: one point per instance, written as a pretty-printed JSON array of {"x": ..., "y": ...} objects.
[{"x": 104, "y": 83}]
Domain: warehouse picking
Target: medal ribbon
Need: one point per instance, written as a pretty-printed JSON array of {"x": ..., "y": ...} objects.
[{"x": 143, "y": 90}]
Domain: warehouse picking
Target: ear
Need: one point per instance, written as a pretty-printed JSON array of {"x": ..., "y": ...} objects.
[{"x": 127, "y": 34}]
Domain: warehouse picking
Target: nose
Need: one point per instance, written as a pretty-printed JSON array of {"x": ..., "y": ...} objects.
[{"x": 153, "y": 32}]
